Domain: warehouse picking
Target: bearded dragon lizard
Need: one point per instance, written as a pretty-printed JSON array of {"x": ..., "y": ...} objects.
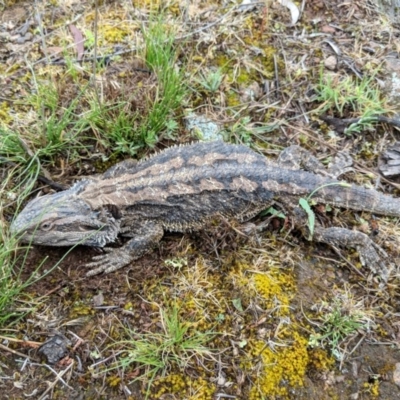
[{"x": 183, "y": 187}]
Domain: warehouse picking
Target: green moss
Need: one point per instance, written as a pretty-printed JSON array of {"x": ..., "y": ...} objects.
[
  {"x": 102, "y": 166},
  {"x": 80, "y": 309},
  {"x": 232, "y": 99},
  {"x": 223, "y": 62},
  {"x": 5, "y": 116},
  {"x": 261, "y": 64}
]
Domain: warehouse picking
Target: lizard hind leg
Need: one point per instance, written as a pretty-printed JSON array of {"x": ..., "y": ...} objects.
[{"x": 371, "y": 254}]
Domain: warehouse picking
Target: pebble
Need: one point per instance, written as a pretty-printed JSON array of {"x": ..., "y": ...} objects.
[{"x": 396, "y": 374}]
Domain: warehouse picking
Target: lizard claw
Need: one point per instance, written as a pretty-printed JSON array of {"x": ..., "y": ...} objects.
[{"x": 106, "y": 263}]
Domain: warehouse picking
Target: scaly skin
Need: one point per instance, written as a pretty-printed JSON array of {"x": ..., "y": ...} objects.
[{"x": 182, "y": 188}]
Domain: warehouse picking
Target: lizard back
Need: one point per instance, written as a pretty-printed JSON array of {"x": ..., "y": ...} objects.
[{"x": 184, "y": 186}]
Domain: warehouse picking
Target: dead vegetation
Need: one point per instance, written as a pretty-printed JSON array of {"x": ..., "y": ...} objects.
[{"x": 241, "y": 312}]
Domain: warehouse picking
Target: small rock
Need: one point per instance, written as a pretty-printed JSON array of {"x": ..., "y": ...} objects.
[
  {"x": 203, "y": 127},
  {"x": 54, "y": 349},
  {"x": 389, "y": 162},
  {"x": 221, "y": 381},
  {"x": 251, "y": 93},
  {"x": 340, "y": 379},
  {"x": 98, "y": 300},
  {"x": 331, "y": 62},
  {"x": 396, "y": 374},
  {"x": 23, "y": 39},
  {"x": 328, "y": 29}
]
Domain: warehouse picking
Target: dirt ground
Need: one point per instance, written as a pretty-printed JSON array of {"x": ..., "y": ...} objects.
[{"x": 253, "y": 288}]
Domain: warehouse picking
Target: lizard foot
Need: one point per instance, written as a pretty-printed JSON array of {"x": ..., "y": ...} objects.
[
  {"x": 371, "y": 254},
  {"x": 110, "y": 262},
  {"x": 376, "y": 259},
  {"x": 342, "y": 164}
]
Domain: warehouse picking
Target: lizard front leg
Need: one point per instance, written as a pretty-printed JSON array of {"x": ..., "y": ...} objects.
[{"x": 144, "y": 237}]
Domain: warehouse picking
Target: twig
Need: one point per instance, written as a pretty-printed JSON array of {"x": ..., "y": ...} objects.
[
  {"x": 49, "y": 292},
  {"x": 93, "y": 77},
  {"x": 58, "y": 378},
  {"x": 276, "y": 72},
  {"x": 28, "y": 342},
  {"x": 17, "y": 352},
  {"x": 39, "y": 20},
  {"x": 353, "y": 267},
  {"x": 341, "y": 124}
]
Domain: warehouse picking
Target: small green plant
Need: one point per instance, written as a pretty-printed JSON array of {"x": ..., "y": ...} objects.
[
  {"x": 211, "y": 81},
  {"x": 361, "y": 97},
  {"x": 305, "y": 204},
  {"x": 161, "y": 57},
  {"x": 11, "y": 265},
  {"x": 177, "y": 346},
  {"x": 128, "y": 131},
  {"x": 11, "y": 146},
  {"x": 339, "y": 320},
  {"x": 177, "y": 262},
  {"x": 274, "y": 212},
  {"x": 244, "y": 131},
  {"x": 59, "y": 128},
  {"x": 118, "y": 124}
]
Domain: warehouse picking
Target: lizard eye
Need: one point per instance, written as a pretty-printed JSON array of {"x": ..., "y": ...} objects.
[{"x": 46, "y": 226}]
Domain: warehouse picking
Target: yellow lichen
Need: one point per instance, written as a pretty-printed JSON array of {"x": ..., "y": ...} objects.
[
  {"x": 277, "y": 288},
  {"x": 80, "y": 309},
  {"x": 372, "y": 388},
  {"x": 187, "y": 387},
  {"x": 113, "y": 380},
  {"x": 114, "y": 33},
  {"x": 320, "y": 360},
  {"x": 282, "y": 368}
]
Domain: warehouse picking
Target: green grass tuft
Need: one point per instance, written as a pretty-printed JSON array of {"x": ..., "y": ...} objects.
[
  {"x": 178, "y": 345},
  {"x": 362, "y": 97}
]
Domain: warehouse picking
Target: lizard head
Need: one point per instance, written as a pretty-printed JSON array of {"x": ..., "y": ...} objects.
[{"x": 64, "y": 219}]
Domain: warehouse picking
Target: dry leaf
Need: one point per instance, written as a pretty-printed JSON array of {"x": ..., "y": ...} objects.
[
  {"x": 78, "y": 39},
  {"x": 294, "y": 10}
]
